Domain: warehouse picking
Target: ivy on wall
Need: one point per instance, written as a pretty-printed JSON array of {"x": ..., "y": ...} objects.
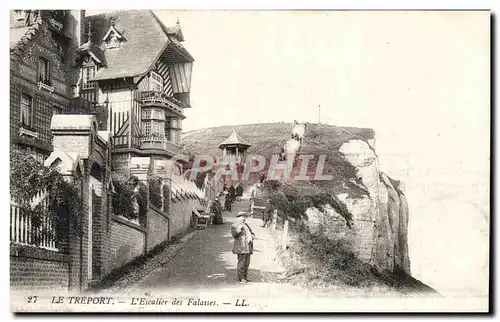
[
  {"x": 29, "y": 177},
  {"x": 155, "y": 197},
  {"x": 130, "y": 197}
]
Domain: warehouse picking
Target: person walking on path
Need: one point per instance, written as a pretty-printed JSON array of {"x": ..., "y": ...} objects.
[
  {"x": 268, "y": 212},
  {"x": 217, "y": 211},
  {"x": 243, "y": 245}
]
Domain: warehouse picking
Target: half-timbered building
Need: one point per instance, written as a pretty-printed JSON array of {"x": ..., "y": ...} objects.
[{"x": 97, "y": 96}]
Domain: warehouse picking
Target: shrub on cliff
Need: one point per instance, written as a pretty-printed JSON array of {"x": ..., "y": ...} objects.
[{"x": 294, "y": 200}]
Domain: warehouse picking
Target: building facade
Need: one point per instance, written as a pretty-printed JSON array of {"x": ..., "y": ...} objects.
[
  {"x": 145, "y": 100},
  {"x": 98, "y": 96}
]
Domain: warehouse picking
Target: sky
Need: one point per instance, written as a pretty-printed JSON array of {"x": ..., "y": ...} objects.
[{"x": 421, "y": 80}]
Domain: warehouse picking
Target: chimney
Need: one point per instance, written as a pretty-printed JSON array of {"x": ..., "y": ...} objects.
[{"x": 78, "y": 30}]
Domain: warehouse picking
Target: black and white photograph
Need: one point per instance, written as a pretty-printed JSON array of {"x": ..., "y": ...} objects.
[{"x": 249, "y": 161}]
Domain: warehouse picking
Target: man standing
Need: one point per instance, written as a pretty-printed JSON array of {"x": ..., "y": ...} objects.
[{"x": 243, "y": 245}]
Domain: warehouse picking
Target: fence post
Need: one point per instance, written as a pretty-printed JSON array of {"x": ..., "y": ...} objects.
[
  {"x": 275, "y": 219},
  {"x": 285, "y": 235}
]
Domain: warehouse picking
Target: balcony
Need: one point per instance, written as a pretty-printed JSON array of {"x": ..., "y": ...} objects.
[
  {"x": 158, "y": 142},
  {"x": 171, "y": 105}
]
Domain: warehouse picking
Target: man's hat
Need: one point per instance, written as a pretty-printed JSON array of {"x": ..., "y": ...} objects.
[{"x": 242, "y": 214}]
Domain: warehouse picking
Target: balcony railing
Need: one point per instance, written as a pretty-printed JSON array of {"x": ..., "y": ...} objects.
[
  {"x": 159, "y": 98},
  {"x": 159, "y": 143}
]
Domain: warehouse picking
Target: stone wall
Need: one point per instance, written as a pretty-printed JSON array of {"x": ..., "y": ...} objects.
[
  {"x": 37, "y": 269},
  {"x": 181, "y": 213},
  {"x": 126, "y": 243},
  {"x": 157, "y": 227}
]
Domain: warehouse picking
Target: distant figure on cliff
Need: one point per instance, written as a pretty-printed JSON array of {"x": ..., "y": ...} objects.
[{"x": 243, "y": 245}]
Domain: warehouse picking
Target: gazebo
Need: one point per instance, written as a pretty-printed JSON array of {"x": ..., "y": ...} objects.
[{"x": 234, "y": 146}]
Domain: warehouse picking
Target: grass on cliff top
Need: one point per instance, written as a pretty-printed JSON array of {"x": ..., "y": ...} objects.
[
  {"x": 265, "y": 138},
  {"x": 268, "y": 139}
]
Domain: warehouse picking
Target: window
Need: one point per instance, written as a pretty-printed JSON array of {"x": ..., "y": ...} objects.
[
  {"x": 174, "y": 137},
  {"x": 44, "y": 71},
  {"x": 88, "y": 74},
  {"x": 155, "y": 82},
  {"x": 113, "y": 42},
  {"x": 147, "y": 128},
  {"x": 56, "y": 110},
  {"x": 153, "y": 129},
  {"x": 26, "y": 110},
  {"x": 158, "y": 128}
]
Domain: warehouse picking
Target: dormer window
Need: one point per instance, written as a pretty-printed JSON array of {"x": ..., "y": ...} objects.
[
  {"x": 155, "y": 82},
  {"x": 113, "y": 38},
  {"x": 113, "y": 42}
]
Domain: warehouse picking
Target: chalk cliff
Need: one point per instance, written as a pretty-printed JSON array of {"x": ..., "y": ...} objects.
[
  {"x": 379, "y": 227},
  {"x": 378, "y": 233}
]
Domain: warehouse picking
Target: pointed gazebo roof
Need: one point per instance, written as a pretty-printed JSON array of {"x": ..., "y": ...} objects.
[{"x": 234, "y": 140}]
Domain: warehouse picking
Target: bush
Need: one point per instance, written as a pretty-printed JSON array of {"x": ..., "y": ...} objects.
[
  {"x": 155, "y": 195},
  {"x": 294, "y": 200},
  {"x": 128, "y": 191},
  {"x": 27, "y": 178}
]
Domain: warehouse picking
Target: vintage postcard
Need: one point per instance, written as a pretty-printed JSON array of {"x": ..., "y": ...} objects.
[{"x": 249, "y": 161}]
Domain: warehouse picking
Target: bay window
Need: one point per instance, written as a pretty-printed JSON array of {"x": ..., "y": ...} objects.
[{"x": 155, "y": 82}]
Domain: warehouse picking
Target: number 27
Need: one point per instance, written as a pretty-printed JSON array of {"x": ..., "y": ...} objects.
[{"x": 32, "y": 299}]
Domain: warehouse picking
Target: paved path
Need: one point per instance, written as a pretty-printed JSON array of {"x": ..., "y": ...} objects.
[{"x": 206, "y": 263}]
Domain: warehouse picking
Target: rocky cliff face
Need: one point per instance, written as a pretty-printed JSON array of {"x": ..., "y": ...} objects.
[
  {"x": 376, "y": 202},
  {"x": 380, "y": 216}
]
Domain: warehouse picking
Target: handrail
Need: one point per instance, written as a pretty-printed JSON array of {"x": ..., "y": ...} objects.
[{"x": 161, "y": 98}]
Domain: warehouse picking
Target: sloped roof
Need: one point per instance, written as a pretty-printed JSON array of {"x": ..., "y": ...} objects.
[
  {"x": 20, "y": 37},
  {"x": 92, "y": 49},
  {"x": 68, "y": 162},
  {"x": 234, "y": 139},
  {"x": 145, "y": 40},
  {"x": 16, "y": 34},
  {"x": 104, "y": 135}
]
